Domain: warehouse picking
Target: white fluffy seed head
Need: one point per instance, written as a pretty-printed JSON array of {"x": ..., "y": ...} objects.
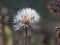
[{"x": 26, "y": 14}]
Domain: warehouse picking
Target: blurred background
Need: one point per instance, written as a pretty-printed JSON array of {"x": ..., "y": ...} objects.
[{"x": 44, "y": 34}]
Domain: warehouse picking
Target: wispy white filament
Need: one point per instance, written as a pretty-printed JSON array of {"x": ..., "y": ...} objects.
[{"x": 26, "y": 13}]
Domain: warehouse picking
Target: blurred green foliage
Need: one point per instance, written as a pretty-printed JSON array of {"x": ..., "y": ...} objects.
[{"x": 8, "y": 35}]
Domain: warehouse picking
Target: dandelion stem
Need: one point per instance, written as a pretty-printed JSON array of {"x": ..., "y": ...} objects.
[{"x": 26, "y": 38}]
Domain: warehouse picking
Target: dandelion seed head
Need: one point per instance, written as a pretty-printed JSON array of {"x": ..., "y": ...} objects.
[{"x": 26, "y": 15}]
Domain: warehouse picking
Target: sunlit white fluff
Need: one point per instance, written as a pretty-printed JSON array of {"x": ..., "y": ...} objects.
[{"x": 26, "y": 13}]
